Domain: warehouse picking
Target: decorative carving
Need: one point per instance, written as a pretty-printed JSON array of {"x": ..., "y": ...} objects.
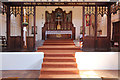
[
  {"x": 29, "y": 10},
  {"x": 101, "y": 10},
  {"x": 58, "y": 20},
  {"x": 115, "y": 7},
  {"x": 16, "y": 10},
  {"x": 68, "y": 16},
  {"x": 3, "y": 8},
  {"x": 90, "y": 10}
]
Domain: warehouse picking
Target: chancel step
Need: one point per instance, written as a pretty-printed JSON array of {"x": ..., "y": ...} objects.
[
  {"x": 60, "y": 77},
  {"x": 59, "y": 59},
  {"x": 59, "y": 55},
  {"x": 59, "y": 71},
  {"x": 60, "y": 64}
]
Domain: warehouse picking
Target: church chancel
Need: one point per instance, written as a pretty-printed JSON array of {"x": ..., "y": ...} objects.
[
  {"x": 58, "y": 25},
  {"x": 61, "y": 20}
]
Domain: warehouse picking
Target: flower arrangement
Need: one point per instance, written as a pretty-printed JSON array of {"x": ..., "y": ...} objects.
[{"x": 25, "y": 23}]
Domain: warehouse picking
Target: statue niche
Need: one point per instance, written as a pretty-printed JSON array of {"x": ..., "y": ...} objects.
[{"x": 58, "y": 20}]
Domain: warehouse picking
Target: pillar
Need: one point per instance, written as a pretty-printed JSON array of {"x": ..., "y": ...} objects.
[
  {"x": 21, "y": 27},
  {"x": 34, "y": 27},
  {"x": 95, "y": 35},
  {"x": 8, "y": 26},
  {"x": 109, "y": 27}
]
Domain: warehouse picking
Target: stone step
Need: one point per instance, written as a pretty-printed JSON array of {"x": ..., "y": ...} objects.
[
  {"x": 59, "y": 71},
  {"x": 59, "y": 65},
  {"x": 59, "y": 59}
]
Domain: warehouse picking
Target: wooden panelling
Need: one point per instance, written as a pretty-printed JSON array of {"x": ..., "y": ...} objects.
[
  {"x": 30, "y": 43},
  {"x": 116, "y": 33},
  {"x": 88, "y": 42},
  {"x": 102, "y": 43},
  {"x": 15, "y": 42}
]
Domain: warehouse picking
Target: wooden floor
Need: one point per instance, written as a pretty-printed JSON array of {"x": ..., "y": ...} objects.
[{"x": 36, "y": 73}]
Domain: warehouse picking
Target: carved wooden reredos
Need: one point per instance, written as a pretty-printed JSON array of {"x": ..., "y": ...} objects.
[{"x": 58, "y": 20}]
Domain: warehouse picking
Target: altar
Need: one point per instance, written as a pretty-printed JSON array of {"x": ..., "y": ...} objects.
[
  {"x": 58, "y": 25},
  {"x": 57, "y": 33}
]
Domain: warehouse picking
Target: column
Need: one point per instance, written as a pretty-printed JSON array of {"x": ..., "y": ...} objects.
[
  {"x": 95, "y": 35},
  {"x": 8, "y": 26},
  {"x": 21, "y": 27},
  {"x": 83, "y": 21},
  {"x": 34, "y": 27},
  {"x": 109, "y": 26}
]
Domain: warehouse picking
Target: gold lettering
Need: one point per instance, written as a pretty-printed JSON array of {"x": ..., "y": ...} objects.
[
  {"x": 71, "y": 3},
  {"x": 91, "y": 3},
  {"x": 27, "y": 3},
  {"x": 59, "y": 3},
  {"x": 33, "y": 3},
  {"x": 39, "y": 3},
  {"x": 46, "y": 3}
]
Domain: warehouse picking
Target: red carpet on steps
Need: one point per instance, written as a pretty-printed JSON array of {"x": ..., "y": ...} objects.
[{"x": 59, "y": 60}]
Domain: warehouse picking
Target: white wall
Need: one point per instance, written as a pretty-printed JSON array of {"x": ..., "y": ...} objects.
[
  {"x": 97, "y": 60},
  {"x": 2, "y": 25},
  {"x": 21, "y": 60},
  {"x": 85, "y": 60}
]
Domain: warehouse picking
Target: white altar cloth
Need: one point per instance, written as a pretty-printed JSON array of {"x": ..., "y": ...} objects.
[{"x": 57, "y": 32}]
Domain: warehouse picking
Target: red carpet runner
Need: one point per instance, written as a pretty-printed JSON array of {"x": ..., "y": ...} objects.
[{"x": 59, "y": 59}]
